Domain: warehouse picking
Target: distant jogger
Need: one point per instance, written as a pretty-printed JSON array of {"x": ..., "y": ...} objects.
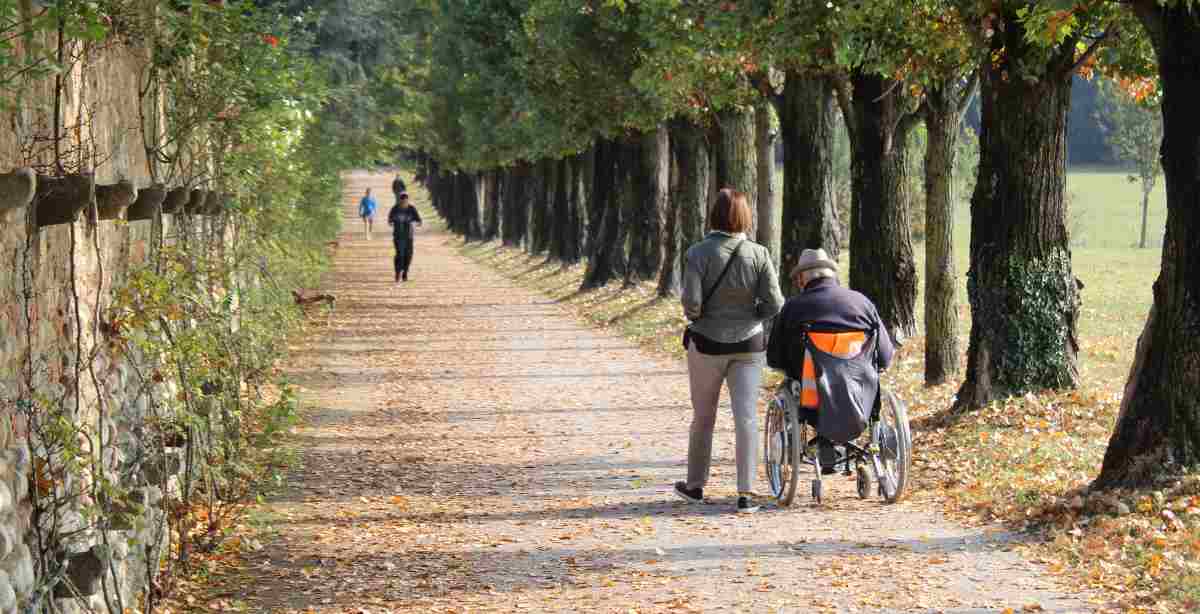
[{"x": 401, "y": 218}]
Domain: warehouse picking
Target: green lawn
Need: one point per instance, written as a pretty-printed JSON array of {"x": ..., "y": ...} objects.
[
  {"x": 1106, "y": 210},
  {"x": 1105, "y": 220}
]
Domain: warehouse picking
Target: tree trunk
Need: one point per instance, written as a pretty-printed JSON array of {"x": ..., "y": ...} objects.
[
  {"x": 450, "y": 204},
  {"x": 585, "y": 182},
  {"x": 739, "y": 157},
  {"x": 435, "y": 198},
  {"x": 574, "y": 226},
  {"x": 768, "y": 204},
  {"x": 516, "y": 205},
  {"x": 1024, "y": 297},
  {"x": 1158, "y": 428},
  {"x": 1145, "y": 214},
  {"x": 560, "y": 208},
  {"x": 443, "y": 197},
  {"x": 607, "y": 261},
  {"x": 881, "y": 255},
  {"x": 446, "y": 203},
  {"x": 648, "y": 207},
  {"x": 669, "y": 277},
  {"x": 713, "y": 149},
  {"x": 941, "y": 309},
  {"x": 810, "y": 217},
  {"x": 598, "y": 190},
  {"x": 689, "y": 143},
  {"x": 468, "y": 196},
  {"x": 491, "y": 198},
  {"x": 541, "y": 184},
  {"x": 550, "y": 184}
]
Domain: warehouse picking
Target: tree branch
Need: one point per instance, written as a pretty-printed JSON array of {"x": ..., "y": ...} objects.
[
  {"x": 968, "y": 93},
  {"x": 1091, "y": 50},
  {"x": 967, "y": 96},
  {"x": 895, "y": 84},
  {"x": 841, "y": 88}
]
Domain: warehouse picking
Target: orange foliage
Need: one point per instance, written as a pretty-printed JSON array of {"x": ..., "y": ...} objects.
[{"x": 1138, "y": 88}]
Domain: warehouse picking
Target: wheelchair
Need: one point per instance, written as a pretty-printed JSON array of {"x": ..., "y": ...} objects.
[{"x": 881, "y": 456}]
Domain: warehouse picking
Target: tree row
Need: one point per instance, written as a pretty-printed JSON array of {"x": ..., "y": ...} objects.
[{"x": 600, "y": 131}]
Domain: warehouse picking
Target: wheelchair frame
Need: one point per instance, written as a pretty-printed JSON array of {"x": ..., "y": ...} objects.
[{"x": 886, "y": 455}]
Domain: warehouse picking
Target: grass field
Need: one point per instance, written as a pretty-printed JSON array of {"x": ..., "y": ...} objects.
[
  {"x": 1104, "y": 220},
  {"x": 1025, "y": 462}
]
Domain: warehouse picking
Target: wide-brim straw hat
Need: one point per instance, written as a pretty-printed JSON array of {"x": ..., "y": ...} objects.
[{"x": 813, "y": 259}]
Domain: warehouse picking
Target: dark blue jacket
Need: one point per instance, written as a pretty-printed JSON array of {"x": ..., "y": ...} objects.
[
  {"x": 828, "y": 307},
  {"x": 402, "y": 219}
]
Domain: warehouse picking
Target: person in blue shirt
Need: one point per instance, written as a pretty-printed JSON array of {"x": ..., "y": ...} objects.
[{"x": 366, "y": 210}]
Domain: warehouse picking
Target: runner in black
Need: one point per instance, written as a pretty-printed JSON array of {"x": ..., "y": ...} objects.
[{"x": 401, "y": 218}]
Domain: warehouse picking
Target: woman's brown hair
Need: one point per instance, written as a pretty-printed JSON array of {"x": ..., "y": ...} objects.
[{"x": 730, "y": 213}]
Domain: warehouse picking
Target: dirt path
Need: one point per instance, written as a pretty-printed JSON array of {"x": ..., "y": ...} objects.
[{"x": 472, "y": 447}]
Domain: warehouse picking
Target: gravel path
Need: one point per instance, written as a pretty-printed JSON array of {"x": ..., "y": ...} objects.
[{"x": 470, "y": 446}]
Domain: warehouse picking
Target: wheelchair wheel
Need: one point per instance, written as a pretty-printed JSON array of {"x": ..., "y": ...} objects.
[
  {"x": 894, "y": 443},
  {"x": 863, "y": 481},
  {"x": 781, "y": 446}
]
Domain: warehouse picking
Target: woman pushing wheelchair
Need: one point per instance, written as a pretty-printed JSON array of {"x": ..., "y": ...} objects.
[{"x": 729, "y": 289}]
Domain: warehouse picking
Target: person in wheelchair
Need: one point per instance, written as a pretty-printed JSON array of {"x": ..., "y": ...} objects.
[{"x": 836, "y": 319}]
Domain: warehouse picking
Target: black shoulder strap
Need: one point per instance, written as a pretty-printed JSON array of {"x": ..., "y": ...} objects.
[{"x": 721, "y": 277}]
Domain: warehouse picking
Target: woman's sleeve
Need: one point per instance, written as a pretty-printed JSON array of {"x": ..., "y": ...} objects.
[
  {"x": 417, "y": 215},
  {"x": 770, "y": 297},
  {"x": 777, "y": 345},
  {"x": 693, "y": 286}
]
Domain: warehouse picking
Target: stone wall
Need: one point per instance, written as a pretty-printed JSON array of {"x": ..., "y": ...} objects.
[{"x": 55, "y": 278}]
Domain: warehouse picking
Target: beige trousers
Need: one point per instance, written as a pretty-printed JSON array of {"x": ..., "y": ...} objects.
[{"x": 707, "y": 374}]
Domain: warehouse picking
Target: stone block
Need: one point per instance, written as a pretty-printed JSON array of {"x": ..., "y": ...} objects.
[
  {"x": 195, "y": 203},
  {"x": 212, "y": 204},
  {"x": 7, "y": 501},
  {"x": 59, "y": 200},
  {"x": 122, "y": 514},
  {"x": 159, "y": 467},
  {"x": 17, "y": 457},
  {"x": 120, "y": 547},
  {"x": 175, "y": 200},
  {"x": 19, "y": 567},
  {"x": 8, "y": 596},
  {"x": 147, "y": 203},
  {"x": 21, "y": 485},
  {"x": 17, "y": 189},
  {"x": 23, "y": 517},
  {"x": 151, "y": 495},
  {"x": 113, "y": 200},
  {"x": 8, "y": 536},
  {"x": 84, "y": 570},
  {"x": 96, "y": 603},
  {"x": 173, "y": 490},
  {"x": 69, "y": 521}
]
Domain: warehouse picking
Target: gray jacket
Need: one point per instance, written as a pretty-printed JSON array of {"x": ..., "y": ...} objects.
[{"x": 747, "y": 297}]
